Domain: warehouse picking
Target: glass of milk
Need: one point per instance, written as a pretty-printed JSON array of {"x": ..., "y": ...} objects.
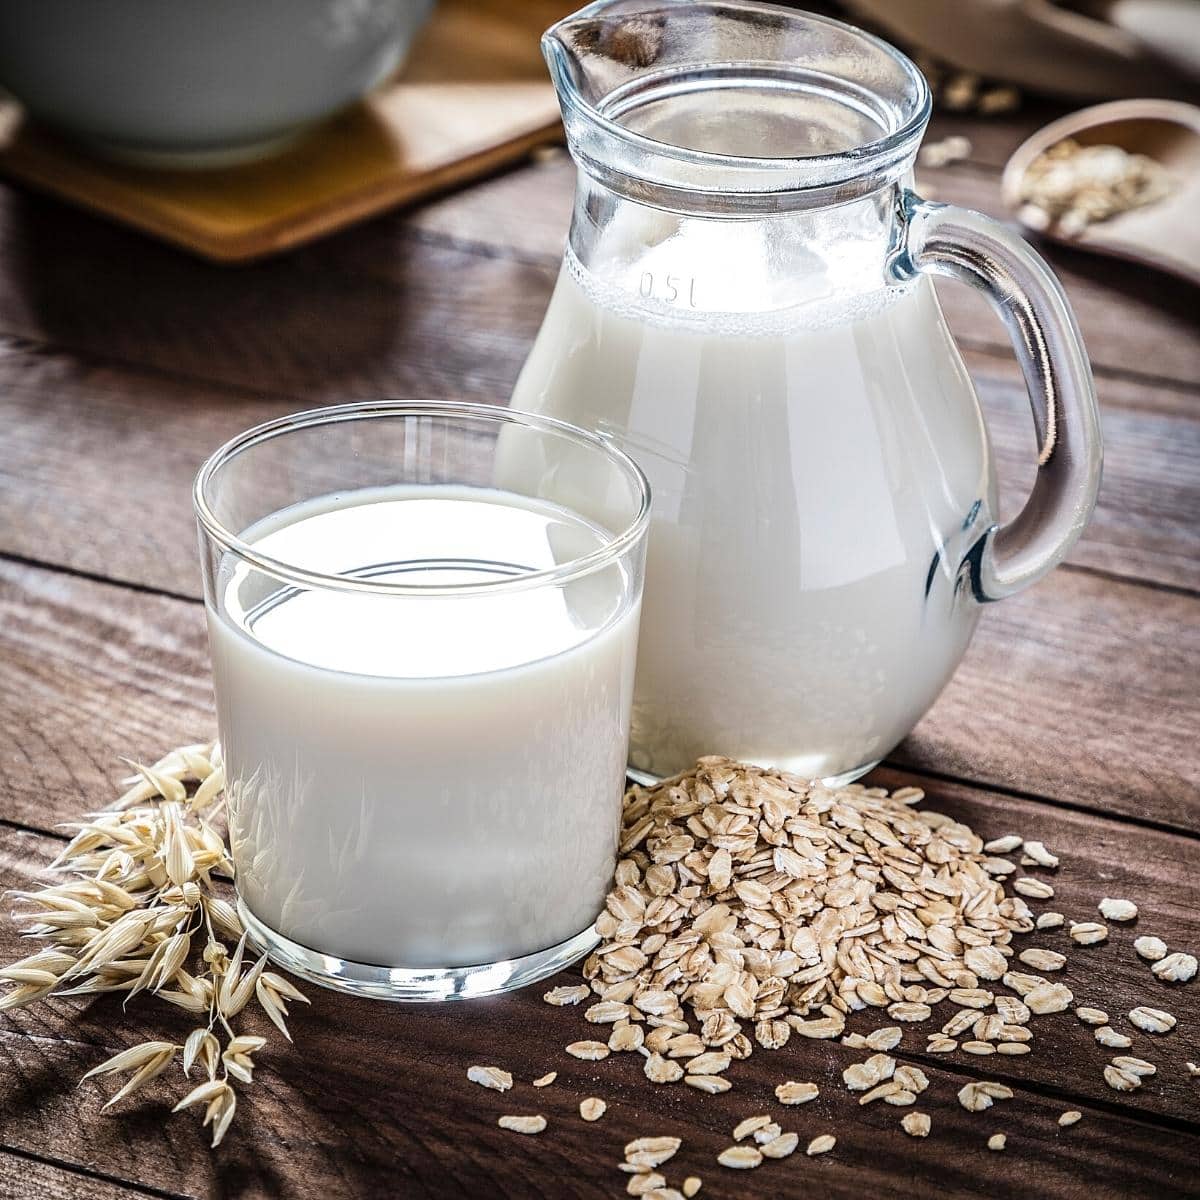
[{"x": 424, "y": 674}]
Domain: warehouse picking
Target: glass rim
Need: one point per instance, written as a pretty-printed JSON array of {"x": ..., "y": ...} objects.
[
  {"x": 841, "y": 166},
  {"x": 612, "y": 550}
]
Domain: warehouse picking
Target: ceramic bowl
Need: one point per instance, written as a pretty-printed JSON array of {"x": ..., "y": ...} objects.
[{"x": 197, "y": 82}]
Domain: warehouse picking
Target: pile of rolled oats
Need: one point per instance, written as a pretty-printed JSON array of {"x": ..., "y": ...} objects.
[
  {"x": 763, "y": 906},
  {"x": 751, "y": 907},
  {"x": 1071, "y": 186}
]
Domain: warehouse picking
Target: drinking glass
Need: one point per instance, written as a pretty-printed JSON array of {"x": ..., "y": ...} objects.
[{"x": 423, "y": 661}]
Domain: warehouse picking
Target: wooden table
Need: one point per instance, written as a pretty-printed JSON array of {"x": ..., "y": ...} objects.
[{"x": 1073, "y": 719}]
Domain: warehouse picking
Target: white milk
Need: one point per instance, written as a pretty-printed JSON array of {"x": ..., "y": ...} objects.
[
  {"x": 806, "y": 466},
  {"x": 424, "y": 781}
]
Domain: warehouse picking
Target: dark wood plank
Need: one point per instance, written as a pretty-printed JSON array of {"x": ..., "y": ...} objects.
[
  {"x": 356, "y": 316},
  {"x": 89, "y": 672},
  {"x": 24, "y": 1177},
  {"x": 1144, "y": 526},
  {"x": 1076, "y": 689},
  {"x": 375, "y": 1096}
]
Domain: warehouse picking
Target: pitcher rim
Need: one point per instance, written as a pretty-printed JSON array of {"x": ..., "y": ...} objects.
[{"x": 827, "y": 170}]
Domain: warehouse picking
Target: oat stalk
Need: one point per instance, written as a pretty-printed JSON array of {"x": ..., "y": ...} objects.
[{"x": 134, "y": 910}]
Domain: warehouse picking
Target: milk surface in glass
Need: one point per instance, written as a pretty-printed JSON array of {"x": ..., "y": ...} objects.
[
  {"x": 425, "y": 781},
  {"x": 819, "y": 467}
]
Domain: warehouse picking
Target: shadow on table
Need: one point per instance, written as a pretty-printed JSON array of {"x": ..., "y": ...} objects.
[{"x": 328, "y": 322}]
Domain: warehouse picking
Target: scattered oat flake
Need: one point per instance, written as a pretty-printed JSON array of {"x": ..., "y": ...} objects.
[
  {"x": 691, "y": 1185},
  {"x": 1150, "y": 948},
  {"x": 974, "y": 1047},
  {"x": 712, "y": 1084},
  {"x": 1117, "y": 910},
  {"x": 626, "y": 1037},
  {"x": 1120, "y": 1080},
  {"x": 916, "y": 1124},
  {"x": 652, "y": 1151},
  {"x": 590, "y": 1051},
  {"x": 710, "y": 1063},
  {"x": 1106, "y": 1035},
  {"x": 1049, "y": 998},
  {"x": 1071, "y": 1117},
  {"x": 1152, "y": 1020},
  {"x": 740, "y": 1157},
  {"x": 767, "y": 1133},
  {"x": 1050, "y": 920},
  {"x": 490, "y": 1077},
  {"x": 1092, "y": 1016},
  {"x": 745, "y": 1128},
  {"x": 1035, "y": 889},
  {"x": 1193, "y": 1068},
  {"x": 1040, "y": 855},
  {"x": 567, "y": 995},
  {"x": 977, "y": 1096},
  {"x": 887, "y": 1038},
  {"x": 648, "y": 1183},
  {"x": 546, "y": 1080},
  {"x": 909, "y": 1011},
  {"x": 661, "y": 1070},
  {"x": 780, "y": 1146},
  {"x": 1043, "y": 960},
  {"x": 1088, "y": 933},
  {"x": 1139, "y": 1066},
  {"x": 1003, "y": 845},
  {"x": 796, "y": 1093},
  {"x": 517, "y": 1124},
  {"x": 592, "y": 1109},
  {"x": 997, "y": 1141},
  {"x": 985, "y": 961},
  {"x": 1175, "y": 968},
  {"x": 821, "y": 1144}
]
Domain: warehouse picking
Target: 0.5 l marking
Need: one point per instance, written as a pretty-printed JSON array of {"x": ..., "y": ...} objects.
[{"x": 669, "y": 288}]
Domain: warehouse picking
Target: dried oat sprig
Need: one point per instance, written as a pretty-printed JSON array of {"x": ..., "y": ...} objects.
[{"x": 132, "y": 908}]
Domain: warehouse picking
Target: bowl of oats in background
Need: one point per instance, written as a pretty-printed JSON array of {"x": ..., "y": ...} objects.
[{"x": 195, "y": 83}]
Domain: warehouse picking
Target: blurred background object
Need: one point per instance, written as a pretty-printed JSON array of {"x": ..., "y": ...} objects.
[
  {"x": 1121, "y": 178},
  {"x": 1086, "y": 50},
  {"x": 228, "y": 84},
  {"x": 472, "y": 96},
  {"x": 197, "y": 82}
]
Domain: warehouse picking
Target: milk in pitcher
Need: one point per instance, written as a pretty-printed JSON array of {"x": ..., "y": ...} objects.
[{"x": 817, "y": 469}]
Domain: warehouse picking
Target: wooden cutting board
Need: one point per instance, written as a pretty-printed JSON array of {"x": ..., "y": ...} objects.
[{"x": 473, "y": 96}]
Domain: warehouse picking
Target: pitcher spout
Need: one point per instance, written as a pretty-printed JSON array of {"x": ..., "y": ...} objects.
[{"x": 732, "y": 107}]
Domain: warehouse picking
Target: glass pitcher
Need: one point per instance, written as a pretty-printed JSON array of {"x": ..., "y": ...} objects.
[{"x": 746, "y": 307}]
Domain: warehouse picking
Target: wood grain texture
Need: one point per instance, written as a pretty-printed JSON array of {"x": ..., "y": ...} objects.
[
  {"x": 322, "y": 325},
  {"x": 374, "y": 1098},
  {"x": 23, "y": 1175}
]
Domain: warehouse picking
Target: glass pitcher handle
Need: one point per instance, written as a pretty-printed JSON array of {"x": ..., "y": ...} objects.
[{"x": 941, "y": 239}]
